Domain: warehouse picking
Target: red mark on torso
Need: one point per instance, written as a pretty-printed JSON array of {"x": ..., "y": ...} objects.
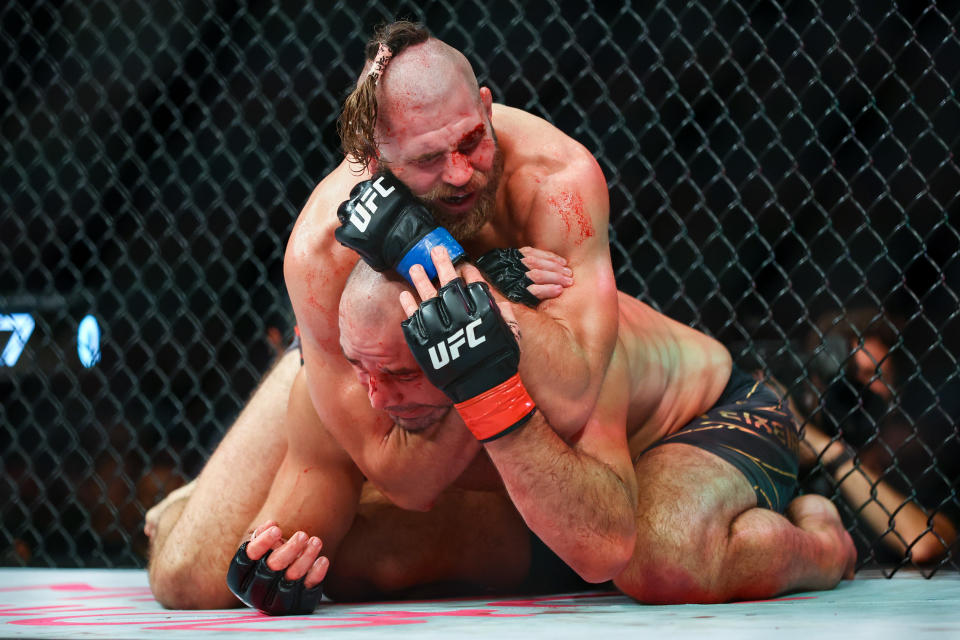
[{"x": 569, "y": 206}]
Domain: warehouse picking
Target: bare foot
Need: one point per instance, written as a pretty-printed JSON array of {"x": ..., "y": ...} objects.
[
  {"x": 820, "y": 517},
  {"x": 153, "y": 515}
]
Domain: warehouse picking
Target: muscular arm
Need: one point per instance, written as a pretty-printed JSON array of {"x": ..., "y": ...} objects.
[
  {"x": 903, "y": 524},
  {"x": 573, "y": 335},
  {"x": 317, "y": 487},
  {"x": 194, "y": 538},
  {"x": 577, "y": 491},
  {"x": 315, "y": 269},
  {"x": 578, "y": 497}
]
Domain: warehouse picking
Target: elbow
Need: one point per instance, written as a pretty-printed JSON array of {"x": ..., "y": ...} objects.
[
  {"x": 927, "y": 549},
  {"x": 605, "y": 559},
  {"x": 932, "y": 546},
  {"x": 185, "y": 588}
]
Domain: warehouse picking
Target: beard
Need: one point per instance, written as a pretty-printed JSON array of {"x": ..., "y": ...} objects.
[{"x": 463, "y": 226}]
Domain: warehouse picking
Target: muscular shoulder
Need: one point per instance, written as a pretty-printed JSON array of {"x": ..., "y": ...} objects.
[
  {"x": 312, "y": 234},
  {"x": 555, "y": 188},
  {"x": 315, "y": 265}
]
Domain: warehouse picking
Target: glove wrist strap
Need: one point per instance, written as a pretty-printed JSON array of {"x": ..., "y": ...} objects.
[
  {"x": 497, "y": 411},
  {"x": 420, "y": 253}
]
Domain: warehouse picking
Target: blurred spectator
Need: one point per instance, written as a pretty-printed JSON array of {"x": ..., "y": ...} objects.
[{"x": 843, "y": 387}]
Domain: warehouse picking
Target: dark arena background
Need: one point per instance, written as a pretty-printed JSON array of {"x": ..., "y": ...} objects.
[{"x": 782, "y": 176}]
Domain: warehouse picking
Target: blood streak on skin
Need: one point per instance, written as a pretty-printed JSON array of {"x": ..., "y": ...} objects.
[
  {"x": 459, "y": 161},
  {"x": 477, "y": 130},
  {"x": 569, "y": 206}
]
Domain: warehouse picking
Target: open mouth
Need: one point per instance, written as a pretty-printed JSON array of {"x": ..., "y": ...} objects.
[{"x": 457, "y": 200}]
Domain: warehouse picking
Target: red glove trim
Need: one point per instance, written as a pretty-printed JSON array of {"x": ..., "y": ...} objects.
[{"x": 497, "y": 410}]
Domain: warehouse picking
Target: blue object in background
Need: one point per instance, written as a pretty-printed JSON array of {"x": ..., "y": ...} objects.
[
  {"x": 21, "y": 324},
  {"x": 88, "y": 341}
]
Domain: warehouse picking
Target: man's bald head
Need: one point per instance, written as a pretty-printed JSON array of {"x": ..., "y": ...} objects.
[{"x": 369, "y": 299}]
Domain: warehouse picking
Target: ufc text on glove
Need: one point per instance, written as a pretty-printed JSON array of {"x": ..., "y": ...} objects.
[
  {"x": 465, "y": 348},
  {"x": 390, "y": 229}
]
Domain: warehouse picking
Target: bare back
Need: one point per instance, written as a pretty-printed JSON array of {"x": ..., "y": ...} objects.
[{"x": 673, "y": 372}]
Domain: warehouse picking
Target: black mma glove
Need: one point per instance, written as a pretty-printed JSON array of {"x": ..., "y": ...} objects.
[
  {"x": 465, "y": 348},
  {"x": 390, "y": 229},
  {"x": 504, "y": 270},
  {"x": 262, "y": 588}
]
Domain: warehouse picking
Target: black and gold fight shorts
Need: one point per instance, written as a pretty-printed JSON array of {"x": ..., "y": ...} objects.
[{"x": 750, "y": 427}]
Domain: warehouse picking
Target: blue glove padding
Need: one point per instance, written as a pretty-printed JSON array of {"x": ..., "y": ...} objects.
[{"x": 390, "y": 229}]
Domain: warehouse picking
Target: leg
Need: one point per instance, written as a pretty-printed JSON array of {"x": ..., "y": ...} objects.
[
  {"x": 469, "y": 542},
  {"x": 702, "y": 537},
  {"x": 205, "y": 525}
]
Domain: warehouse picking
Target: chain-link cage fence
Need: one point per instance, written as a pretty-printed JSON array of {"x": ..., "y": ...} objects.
[{"x": 782, "y": 176}]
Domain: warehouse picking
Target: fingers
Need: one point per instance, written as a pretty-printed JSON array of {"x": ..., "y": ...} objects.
[
  {"x": 445, "y": 273},
  {"x": 264, "y": 539},
  {"x": 471, "y": 274},
  {"x": 541, "y": 276},
  {"x": 539, "y": 256},
  {"x": 408, "y": 302},
  {"x": 425, "y": 289},
  {"x": 441, "y": 260},
  {"x": 317, "y": 572},
  {"x": 299, "y": 556},
  {"x": 545, "y": 291},
  {"x": 305, "y": 561},
  {"x": 421, "y": 282},
  {"x": 286, "y": 553},
  {"x": 263, "y": 527}
]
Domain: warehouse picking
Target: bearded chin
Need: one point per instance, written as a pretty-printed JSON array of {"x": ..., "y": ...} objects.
[{"x": 463, "y": 226}]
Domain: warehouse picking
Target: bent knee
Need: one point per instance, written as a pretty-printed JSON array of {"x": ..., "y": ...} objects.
[
  {"x": 663, "y": 582},
  {"x": 671, "y": 569}
]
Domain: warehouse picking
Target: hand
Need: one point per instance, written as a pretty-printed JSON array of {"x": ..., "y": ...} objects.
[
  {"x": 389, "y": 227},
  {"x": 300, "y": 555},
  {"x": 447, "y": 273},
  {"x": 547, "y": 271},
  {"x": 278, "y": 576},
  {"x": 467, "y": 345},
  {"x": 527, "y": 276}
]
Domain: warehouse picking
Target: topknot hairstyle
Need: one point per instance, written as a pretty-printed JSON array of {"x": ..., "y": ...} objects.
[{"x": 358, "y": 120}]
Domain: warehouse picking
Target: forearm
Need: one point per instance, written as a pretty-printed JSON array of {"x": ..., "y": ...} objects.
[
  {"x": 575, "y": 358},
  {"x": 181, "y": 582},
  {"x": 901, "y": 522},
  {"x": 413, "y": 469},
  {"x": 577, "y": 505}
]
